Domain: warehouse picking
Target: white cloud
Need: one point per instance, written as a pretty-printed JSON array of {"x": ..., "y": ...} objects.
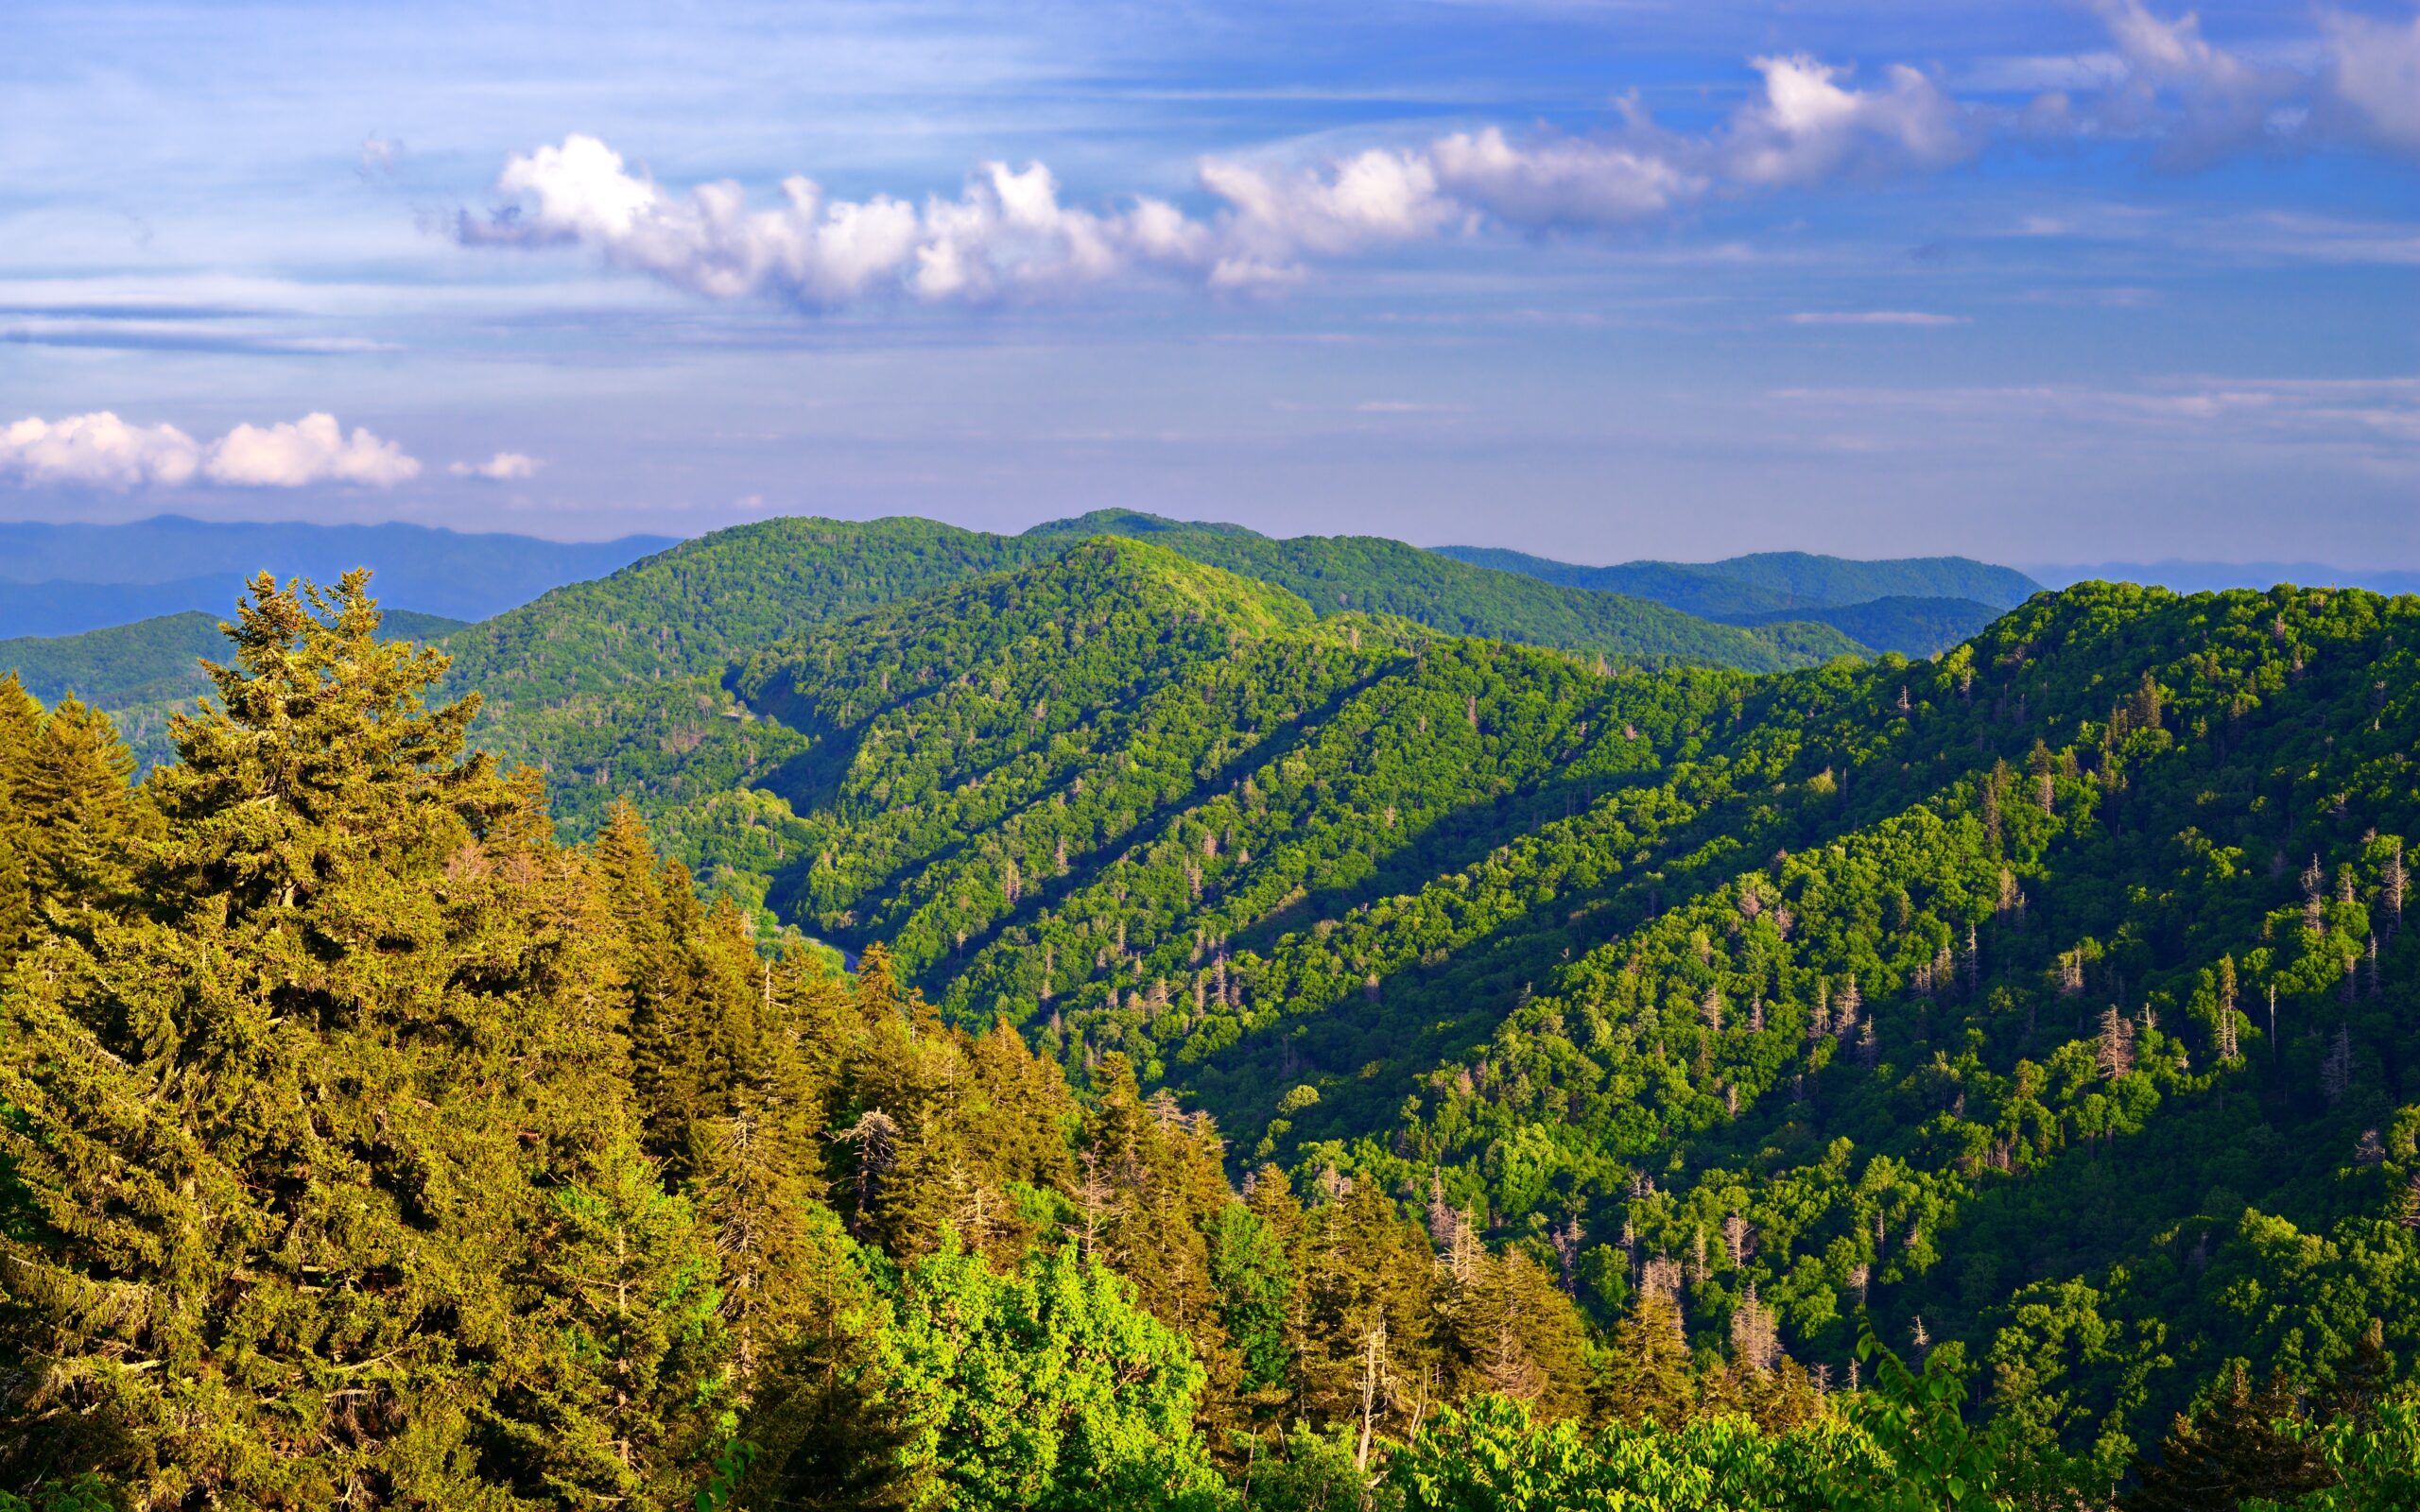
[
  {"x": 1561, "y": 180},
  {"x": 1374, "y": 199},
  {"x": 315, "y": 449},
  {"x": 104, "y": 452},
  {"x": 1005, "y": 231},
  {"x": 504, "y": 467},
  {"x": 2197, "y": 98},
  {"x": 97, "y": 450},
  {"x": 1810, "y": 127},
  {"x": 2373, "y": 77}
]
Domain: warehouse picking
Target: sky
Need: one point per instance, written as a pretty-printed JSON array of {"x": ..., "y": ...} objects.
[{"x": 2026, "y": 280}]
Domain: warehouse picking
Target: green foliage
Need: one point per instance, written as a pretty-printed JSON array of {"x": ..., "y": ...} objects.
[
  {"x": 155, "y": 660},
  {"x": 1046, "y": 1389},
  {"x": 1491, "y": 1456},
  {"x": 85, "y": 1493},
  {"x": 2374, "y": 1460}
]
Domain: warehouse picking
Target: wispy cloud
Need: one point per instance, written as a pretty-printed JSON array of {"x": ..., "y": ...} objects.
[
  {"x": 505, "y": 467},
  {"x": 1908, "y": 317}
]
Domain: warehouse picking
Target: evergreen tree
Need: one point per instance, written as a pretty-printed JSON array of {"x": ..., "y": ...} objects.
[
  {"x": 292, "y": 1132},
  {"x": 1644, "y": 1375},
  {"x": 2239, "y": 1445},
  {"x": 20, "y": 732}
]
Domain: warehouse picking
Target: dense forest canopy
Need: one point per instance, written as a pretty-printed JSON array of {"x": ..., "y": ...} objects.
[{"x": 1296, "y": 1056}]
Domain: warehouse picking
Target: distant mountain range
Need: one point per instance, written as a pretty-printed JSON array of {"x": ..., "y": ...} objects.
[
  {"x": 63, "y": 579},
  {"x": 1915, "y": 605},
  {"x": 1772, "y": 580}
]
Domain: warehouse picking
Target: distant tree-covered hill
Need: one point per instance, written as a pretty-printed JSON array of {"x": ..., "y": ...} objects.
[
  {"x": 1911, "y": 627},
  {"x": 1915, "y": 605},
  {"x": 61, "y": 579},
  {"x": 1775, "y": 579},
  {"x": 690, "y": 610},
  {"x": 154, "y": 660}
]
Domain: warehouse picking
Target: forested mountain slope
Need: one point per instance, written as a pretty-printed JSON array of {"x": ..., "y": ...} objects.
[
  {"x": 1898, "y": 984},
  {"x": 707, "y": 602},
  {"x": 653, "y": 639},
  {"x": 1607, "y": 1049},
  {"x": 1910, "y": 625}
]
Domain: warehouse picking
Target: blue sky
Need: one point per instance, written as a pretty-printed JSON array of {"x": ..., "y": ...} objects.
[{"x": 2038, "y": 282}]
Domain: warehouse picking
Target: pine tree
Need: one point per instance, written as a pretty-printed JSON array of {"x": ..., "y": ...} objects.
[
  {"x": 79, "y": 813},
  {"x": 290, "y": 1134},
  {"x": 1644, "y": 1374},
  {"x": 19, "y": 730},
  {"x": 2230, "y": 1450}
]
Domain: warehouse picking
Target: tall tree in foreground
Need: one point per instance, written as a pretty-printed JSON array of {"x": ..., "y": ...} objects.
[{"x": 323, "y": 1139}]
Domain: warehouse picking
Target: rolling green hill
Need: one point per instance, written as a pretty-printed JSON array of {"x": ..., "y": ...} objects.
[
  {"x": 1765, "y": 581},
  {"x": 1947, "y": 982},
  {"x": 688, "y": 611},
  {"x": 1911, "y": 627}
]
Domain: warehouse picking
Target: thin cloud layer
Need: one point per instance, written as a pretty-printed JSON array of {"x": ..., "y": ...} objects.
[
  {"x": 2374, "y": 78},
  {"x": 101, "y": 451}
]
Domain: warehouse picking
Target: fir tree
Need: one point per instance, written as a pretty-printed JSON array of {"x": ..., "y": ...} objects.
[{"x": 290, "y": 1135}]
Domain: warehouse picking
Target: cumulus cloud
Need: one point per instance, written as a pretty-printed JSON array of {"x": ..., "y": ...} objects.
[
  {"x": 505, "y": 467},
  {"x": 2198, "y": 99},
  {"x": 97, "y": 450},
  {"x": 314, "y": 449},
  {"x": 1374, "y": 199},
  {"x": 1810, "y": 125},
  {"x": 101, "y": 451},
  {"x": 2168, "y": 83},
  {"x": 1009, "y": 233},
  {"x": 1007, "y": 230}
]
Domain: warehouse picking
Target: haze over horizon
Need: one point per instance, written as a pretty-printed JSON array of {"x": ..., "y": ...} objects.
[{"x": 2098, "y": 283}]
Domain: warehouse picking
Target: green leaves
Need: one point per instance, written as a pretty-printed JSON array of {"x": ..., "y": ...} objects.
[{"x": 1047, "y": 1389}]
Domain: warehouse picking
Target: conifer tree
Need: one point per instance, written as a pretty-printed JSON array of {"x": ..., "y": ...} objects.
[
  {"x": 291, "y": 1134},
  {"x": 20, "y": 729},
  {"x": 1644, "y": 1375},
  {"x": 2230, "y": 1450},
  {"x": 77, "y": 811}
]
